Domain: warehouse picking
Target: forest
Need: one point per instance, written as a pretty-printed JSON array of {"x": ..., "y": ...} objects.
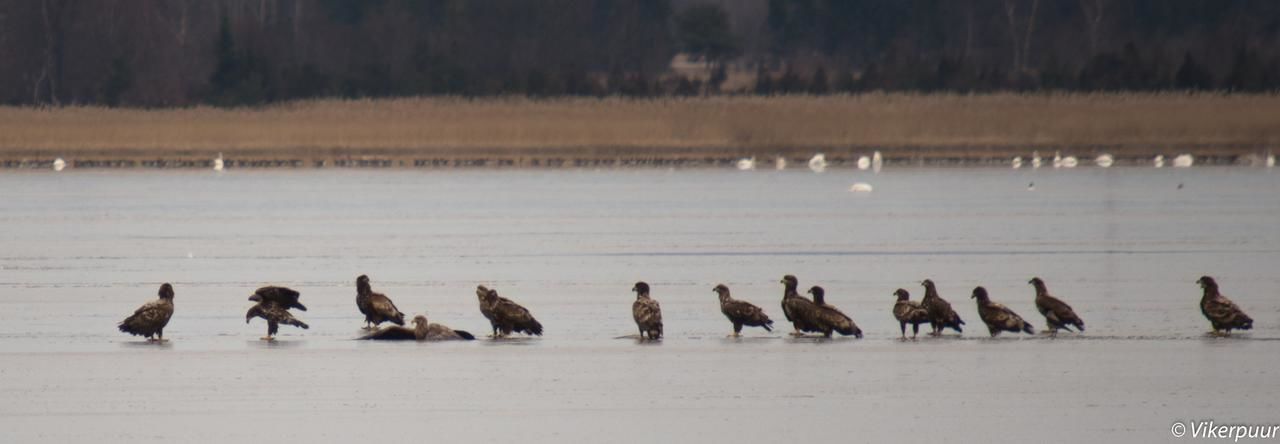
[{"x": 166, "y": 53}]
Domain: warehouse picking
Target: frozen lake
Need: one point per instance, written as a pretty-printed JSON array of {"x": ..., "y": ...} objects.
[{"x": 82, "y": 250}]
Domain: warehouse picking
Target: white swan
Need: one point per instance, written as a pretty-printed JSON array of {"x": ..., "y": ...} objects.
[
  {"x": 217, "y": 163},
  {"x": 877, "y": 162},
  {"x": 748, "y": 163},
  {"x": 780, "y": 163},
  {"x": 1017, "y": 162},
  {"x": 864, "y": 162},
  {"x": 1105, "y": 160},
  {"x": 59, "y": 164},
  {"x": 860, "y": 187},
  {"x": 818, "y": 163},
  {"x": 1183, "y": 161},
  {"x": 1070, "y": 162},
  {"x": 1057, "y": 159},
  {"x": 1158, "y": 161},
  {"x": 1035, "y": 159},
  {"x": 1271, "y": 160}
]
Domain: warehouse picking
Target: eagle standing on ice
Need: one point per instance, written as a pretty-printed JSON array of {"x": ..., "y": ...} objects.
[
  {"x": 1057, "y": 314},
  {"x": 647, "y": 312},
  {"x": 507, "y": 316},
  {"x": 376, "y": 307},
  {"x": 151, "y": 318},
  {"x": 741, "y": 313},
  {"x": 273, "y": 304},
  {"x": 998, "y": 317},
  {"x": 1223, "y": 314}
]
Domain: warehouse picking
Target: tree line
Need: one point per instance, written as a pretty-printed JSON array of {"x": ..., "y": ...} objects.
[{"x": 157, "y": 53}]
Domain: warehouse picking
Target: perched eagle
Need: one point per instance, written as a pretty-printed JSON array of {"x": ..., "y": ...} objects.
[
  {"x": 1057, "y": 314},
  {"x": 273, "y": 304},
  {"x": 741, "y": 313},
  {"x": 831, "y": 318},
  {"x": 482, "y": 295},
  {"x": 421, "y": 331},
  {"x": 647, "y": 312},
  {"x": 907, "y": 311},
  {"x": 377, "y": 307},
  {"x": 508, "y": 316},
  {"x": 1221, "y": 312},
  {"x": 941, "y": 315},
  {"x": 149, "y": 319},
  {"x": 799, "y": 310},
  {"x": 998, "y": 317}
]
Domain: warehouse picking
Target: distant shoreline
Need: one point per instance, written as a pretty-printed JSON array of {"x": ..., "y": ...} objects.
[{"x": 440, "y": 133}]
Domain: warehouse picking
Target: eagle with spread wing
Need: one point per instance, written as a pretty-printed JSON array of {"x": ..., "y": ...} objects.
[
  {"x": 421, "y": 331},
  {"x": 273, "y": 304}
]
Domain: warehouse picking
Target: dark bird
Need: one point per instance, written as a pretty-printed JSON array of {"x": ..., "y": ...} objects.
[
  {"x": 377, "y": 307},
  {"x": 998, "y": 317},
  {"x": 831, "y": 318},
  {"x": 482, "y": 295},
  {"x": 907, "y": 311},
  {"x": 1057, "y": 314},
  {"x": 647, "y": 312},
  {"x": 421, "y": 331},
  {"x": 941, "y": 315},
  {"x": 1220, "y": 311},
  {"x": 149, "y": 319},
  {"x": 273, "y": 304},
  {"x": 799, "y": 310},
  {"x": 741, "y": 313},
  {"x": 509, "y": 316}
]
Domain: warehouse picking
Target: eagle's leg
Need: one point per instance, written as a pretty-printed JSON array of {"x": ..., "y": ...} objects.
[
  {"x": 797, "y": 333},
  {"x": 903, "y": 327},
  {"x": 272, "y": 328},
  {"x": 642, "y": 335},
  {"x": 160, "y": 335},
  {"x": 737, "y": 330},
  {"x": 915, "y": 331}
]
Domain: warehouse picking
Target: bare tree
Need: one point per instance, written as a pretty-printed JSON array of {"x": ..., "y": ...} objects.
[
  {"x": 1094, "y": 10},
  {"x": 1020, "y": 41}
]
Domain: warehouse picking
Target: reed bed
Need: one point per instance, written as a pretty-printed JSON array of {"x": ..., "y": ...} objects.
[{"x": 388, "y": 125}]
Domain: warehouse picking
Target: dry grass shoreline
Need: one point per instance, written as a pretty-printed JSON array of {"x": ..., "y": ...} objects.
[{"x": 635, "y": 132}]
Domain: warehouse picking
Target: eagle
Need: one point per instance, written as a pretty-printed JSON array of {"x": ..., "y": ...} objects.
[
  {"x": 647, "y": 312},
  {"x": 998, "y": 317},
  {"x": 799, "y": 310},
  {"x": 507, "y": 316},
  {"x": 741, "y": 313},
  {"x": 273, "y": 304},
  {"x": 1057, "y": 314},
  {"x": 1223, "y": 314},
  {"x": 149, "y": 319},
  {"x": 421, "y": 331},
  {"x": 831, "y": 318},
  {"x": 941, "y": 315},
  {"x": 907, "y": 311},
  {"x": 377, "y": 307}
]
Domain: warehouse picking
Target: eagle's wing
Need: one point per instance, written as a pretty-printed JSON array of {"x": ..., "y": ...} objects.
[
  {"x": 391, "y": 333},
  {"x": 381, "y": 304},
  {"x": 150, "y": 317}
]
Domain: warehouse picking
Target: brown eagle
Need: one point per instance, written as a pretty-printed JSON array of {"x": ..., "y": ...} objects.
[
  {"x": 421, "y": 331},
  {"x": 831, "y": 317},
  {"x": 799, "y": 310},
  {"x": 647, "y": 312},
  {"x": 482, "y": 295},
  {"x": 1057, "y": 314},
  {"x": 273, "y": 304},
  {"x": 998, "y": 317},
  {"x": 509, "y": 316},
  {"x": 941, "y": 315},
  {"x": 1223, "y": 314},
  {"x": 741, "y": 313},
  {"x": 149, "y": 319},
  {"x": 376, "y": 307},
  {"x": 907, "y": 311}
]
